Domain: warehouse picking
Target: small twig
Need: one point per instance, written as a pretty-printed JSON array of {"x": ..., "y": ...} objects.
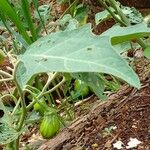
[
  {"x": 5, "y": 74},
  {"x": 54, "y": 88},
  {"x": 5, "y": 80},
  {"x": 16, "y": 107},
  {"x": 109, "y": 142}
]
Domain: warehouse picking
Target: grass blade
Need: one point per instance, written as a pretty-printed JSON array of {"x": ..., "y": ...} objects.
[{"x": 8, "y": 10}]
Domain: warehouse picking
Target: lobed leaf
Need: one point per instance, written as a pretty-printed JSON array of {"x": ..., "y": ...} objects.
[
  {"x": 73, "y": 51},
  {"x": 122, "y": 34}
]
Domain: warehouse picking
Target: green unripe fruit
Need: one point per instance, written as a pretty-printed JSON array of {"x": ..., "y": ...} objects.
[
  {"x": 49, "y": 126},
  {"x": 81, "y": 87},
  {"x": 37, "y": 107}
]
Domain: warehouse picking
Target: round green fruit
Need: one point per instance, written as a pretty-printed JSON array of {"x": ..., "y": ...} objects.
[
  {"x": 49, "y": 126},
  {"x": 39, "y": 108},
  {"x": 80, "y": 86}
]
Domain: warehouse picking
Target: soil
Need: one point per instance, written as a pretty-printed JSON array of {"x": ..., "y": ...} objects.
[
  {"x": 7, "y": 86},
  {"x": 129, "y": 113}
]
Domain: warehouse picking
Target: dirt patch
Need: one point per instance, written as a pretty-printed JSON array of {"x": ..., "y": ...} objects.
[
  {"x": 129, "y": 114},
  {"x": 7, "y": 85}
]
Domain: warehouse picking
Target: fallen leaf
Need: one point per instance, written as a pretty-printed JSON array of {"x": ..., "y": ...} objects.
[
  {"x": 118, "y": 145},
  {"x": 133, "y": 143}
]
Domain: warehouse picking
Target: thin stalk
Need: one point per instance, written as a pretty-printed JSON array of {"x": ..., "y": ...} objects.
[
  {"x": 57, "y": 91},
  {"x": 42, "y": 22},
  {"x": 50, "y": 79},
  {"x": 114, "y": 4},
  {"x": 5, "y": 80},
  {"x": 43, "y": 93},
  {"x": 111, "y": 12},
  {"x": 31, "y": 88},
  {"x": 5, "y": 74},
  {"x": 123, "y": 21},
  {"x": 5, "y": 83},
  {"x": 61, "y": 88},
  {"x": 11, "y": 96},
  {"x": 70, "y": 6},
  {"x": 54, "y": 88},
  {"x": 22, "y": 97},
  {"x": 16, "y": 107}
]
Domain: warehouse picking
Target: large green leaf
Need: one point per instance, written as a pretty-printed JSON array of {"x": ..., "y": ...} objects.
[
  {"x": 122, "y": 34},
  {"x": 7, "y": 134},
  {"x": 73, "y": 51}
]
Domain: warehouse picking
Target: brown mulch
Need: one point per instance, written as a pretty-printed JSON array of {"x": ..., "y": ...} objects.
[
  {"x": 128, "y": 111},
  {"x": 7, "y": 85}
]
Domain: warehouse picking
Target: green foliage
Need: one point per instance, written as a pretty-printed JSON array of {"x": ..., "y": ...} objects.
[
  {"x": 122, "y": 34},
  {"x": 132, "y": 14},
  {"x": 50, "y": 125},
  {"x": 102, "y": 16},
  {"x": 7, "y": 134},
  {"x": 83, "y": 52},
  {"x": 44, "y": 13},
  {"x": 147, "y": 52},
  {"x": 27, "y": 15},
  {"x": 81, "y": 88},
  {"x": 8, "y": 10},
  {"x": 94, "y": 82}
]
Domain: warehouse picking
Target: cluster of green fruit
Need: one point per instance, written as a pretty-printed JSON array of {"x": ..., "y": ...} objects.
[
  {"x": 82, "y": 88},
  {"x": 51, "y": 124}
]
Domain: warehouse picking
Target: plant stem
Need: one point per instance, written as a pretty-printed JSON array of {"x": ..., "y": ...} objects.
[
  {"x": 42, "y": 22},
  {"x": 23, "y": 105},
  {"x": 4, "y": 80},
  {"x": 111, "y": 12},
  {"x": 123, "y": 21},
  {"x": 57, "y": 91},
  {"x": 54, "y": 88},
  {"x": 115, "y": 5},
  {"x": 11, "y": 96},
  {"x": 44, "y": 93},
  {"x": 50, "y": 79},
  {"x": 5, "y": 74},
  {"x": 16, "y": 107},
  {"x": 70, "y": 6}
]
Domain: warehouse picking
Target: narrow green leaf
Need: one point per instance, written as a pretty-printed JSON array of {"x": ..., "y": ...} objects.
[
  {"x": 27, "y": 14},
  {"x": 122, "y": 34},
  {"x": 7, "y": 9},
  {"x": 147, "y": 52}
]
